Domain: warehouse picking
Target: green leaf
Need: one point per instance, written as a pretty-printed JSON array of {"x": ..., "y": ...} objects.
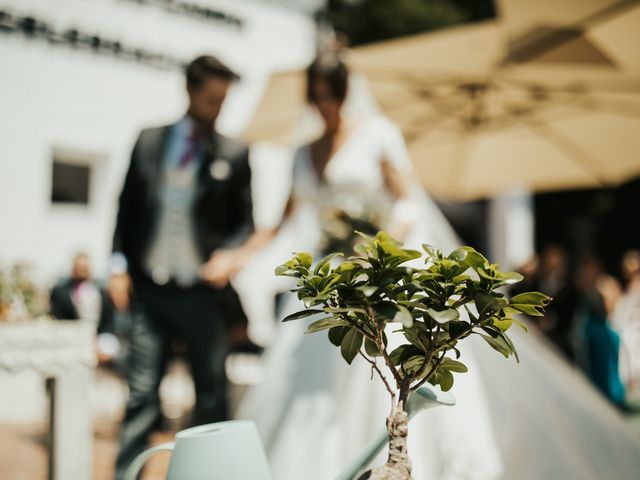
[
  {"x": 300, "y": 314},
  {"x": 503, "y": 323},
  {"x": 486, "y": 303},
  {"x": 498, "y": 344},
  {"x": 432, "y": 252},
  {"x": 326, "y": 263},
  {"x": 304, "y": 258},
  {"x": 392, "y": 312},
  {"x": 414, "y": 305},
  {"x": 487, "y": 273},
  {"x": 367, "y": 250},
  {"x": 414, "y": 363},
  {"x": 531, "y": 298},
  {"x": 347, "y": 266},
  {"x": 403, "y": 353},
  {"x": 414, "y": 337},
  {"x": 371, "y": 348},
  {"x": 475, "y": 260},
  {"x": 368, "y": 290},
  {"x": 396, "y": 255},
  {"x": 509, "y": 342},
  {"x": 453, "y": 366},
  {"x": 361, "y": 249},
  {"x": 403, "y": 316},
  {"x": 369, "y": 240},
  {"x": 345, "y": 310},
  {"x": 337, "y": 334},
  {"x": 444, "y": 316},
  {"x": 509, "y": 278},
  {"x": 285, "y": 271},
  {"x": 313, "y": 300},
  {"x": 351, "y": 345},
  {"x": 348, "y": 271},
  {"x": 521, "y": 324},
  {"x": 383, "y": 236},
  {"x": 328, "y": 282},
  {"x": 457, "y": 328},
  {"x": 459, "y": 254},
  {"x": 325, "y": 323},
  {"x": 446, "y": 380},
  {"x": 531, "y": 303}
]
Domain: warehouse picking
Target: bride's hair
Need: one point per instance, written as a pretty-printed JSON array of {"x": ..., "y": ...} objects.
[{"x": 329, "y": 68}]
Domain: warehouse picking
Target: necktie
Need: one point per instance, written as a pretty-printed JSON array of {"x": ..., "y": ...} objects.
[{"x": 190, "y": 151}]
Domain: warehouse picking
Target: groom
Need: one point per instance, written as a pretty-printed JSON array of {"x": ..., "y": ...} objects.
[{"x": 184, "y": 217}]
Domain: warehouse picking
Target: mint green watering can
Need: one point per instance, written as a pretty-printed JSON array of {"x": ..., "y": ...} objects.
[{"x": 232, "y": 450}]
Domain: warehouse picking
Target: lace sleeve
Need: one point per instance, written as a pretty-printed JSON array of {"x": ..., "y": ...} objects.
[{"x": 394, "y": 148}]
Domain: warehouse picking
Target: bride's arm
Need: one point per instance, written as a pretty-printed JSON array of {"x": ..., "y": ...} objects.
[
  {"x": 262, "y": 236},
  {"x": 224, "y": 264},
  {"x": 397, "y": 171}
]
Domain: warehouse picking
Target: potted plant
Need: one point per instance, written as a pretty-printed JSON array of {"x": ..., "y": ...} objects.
[
  {"x": 20, "y": 298},
  {"x": 430, "y": 309}
]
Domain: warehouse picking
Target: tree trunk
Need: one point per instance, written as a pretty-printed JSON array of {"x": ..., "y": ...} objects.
[{"x": 398, "y": 466}]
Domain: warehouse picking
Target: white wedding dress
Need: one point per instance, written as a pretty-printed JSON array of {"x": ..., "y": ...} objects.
[{"x": 536, "y": 420}]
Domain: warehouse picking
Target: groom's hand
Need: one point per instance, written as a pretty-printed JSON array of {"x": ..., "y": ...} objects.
[{"x": 221, "y": 267}]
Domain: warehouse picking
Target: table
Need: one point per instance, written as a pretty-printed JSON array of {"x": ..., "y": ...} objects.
[{"x": 63, "y": 353}]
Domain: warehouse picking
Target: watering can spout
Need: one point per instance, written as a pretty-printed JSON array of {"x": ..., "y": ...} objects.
[{"x": 425, "y": 397}]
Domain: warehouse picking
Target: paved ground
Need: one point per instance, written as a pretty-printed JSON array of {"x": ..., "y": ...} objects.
[
  {"x": 23, "y": 444},
  {"x": 23, "y": 455},
  {"x": 23, "y": 448}
]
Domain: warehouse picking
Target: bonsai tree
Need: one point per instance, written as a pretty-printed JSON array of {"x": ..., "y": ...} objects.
[{"x": 430, "y": 308}]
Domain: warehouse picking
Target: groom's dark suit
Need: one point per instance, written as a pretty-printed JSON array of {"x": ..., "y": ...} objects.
[
  {"x": 222, "y": 210},
  {"x": 162, "y": 307}
]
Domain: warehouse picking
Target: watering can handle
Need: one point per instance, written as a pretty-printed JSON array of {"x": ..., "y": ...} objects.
[{"x": 140, "y": 460}]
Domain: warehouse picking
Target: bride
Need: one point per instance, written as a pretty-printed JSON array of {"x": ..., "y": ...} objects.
[{"x": 537, "y": 420}]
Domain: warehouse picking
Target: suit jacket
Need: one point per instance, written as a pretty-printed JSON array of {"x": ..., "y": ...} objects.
[
  {"x": 61, "y": 306},
  {"x": 222, "y": 210}
]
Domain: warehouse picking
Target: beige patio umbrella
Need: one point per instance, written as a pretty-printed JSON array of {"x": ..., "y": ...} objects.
[{"x": 482, "y": 114}]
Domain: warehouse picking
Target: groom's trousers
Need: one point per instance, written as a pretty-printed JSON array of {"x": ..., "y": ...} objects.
[{"x": 159, "y": 314}]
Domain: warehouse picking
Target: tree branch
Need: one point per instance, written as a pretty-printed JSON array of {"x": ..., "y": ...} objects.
[
  {"x": 427, "y": 361},
  {"x": 374, "y": 366},
  {"x": 435, "y": 368},
  {"x": 380, "y": 344}
]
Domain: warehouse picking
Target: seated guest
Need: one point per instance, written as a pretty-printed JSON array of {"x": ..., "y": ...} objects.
[{"x": 79, "y": 297}]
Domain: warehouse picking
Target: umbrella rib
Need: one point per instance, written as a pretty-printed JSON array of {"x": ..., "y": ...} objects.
[
  {"x": 422, "y": 127},
  {"x": 626, "y": 110},
  {"x": 433, "y": 102},
  {"x": 607, "y": 12},
  {"x": 569, "y": 147},
  {"x": 420, "y": 133}
]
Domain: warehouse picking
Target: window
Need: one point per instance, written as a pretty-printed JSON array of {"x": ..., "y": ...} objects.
[{"x": 71, "y": 174}]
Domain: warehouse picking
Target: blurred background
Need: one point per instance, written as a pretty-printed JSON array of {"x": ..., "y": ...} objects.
[{"x": 522, "y": 119}]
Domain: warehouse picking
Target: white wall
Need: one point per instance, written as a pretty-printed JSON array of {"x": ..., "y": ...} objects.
[{"x": 53, "y": 96}]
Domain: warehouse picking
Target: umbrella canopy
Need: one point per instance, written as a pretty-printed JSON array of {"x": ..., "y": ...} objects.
[
  {"x": 279, "y": 109},
  {"x": 484, "y": 112}
]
